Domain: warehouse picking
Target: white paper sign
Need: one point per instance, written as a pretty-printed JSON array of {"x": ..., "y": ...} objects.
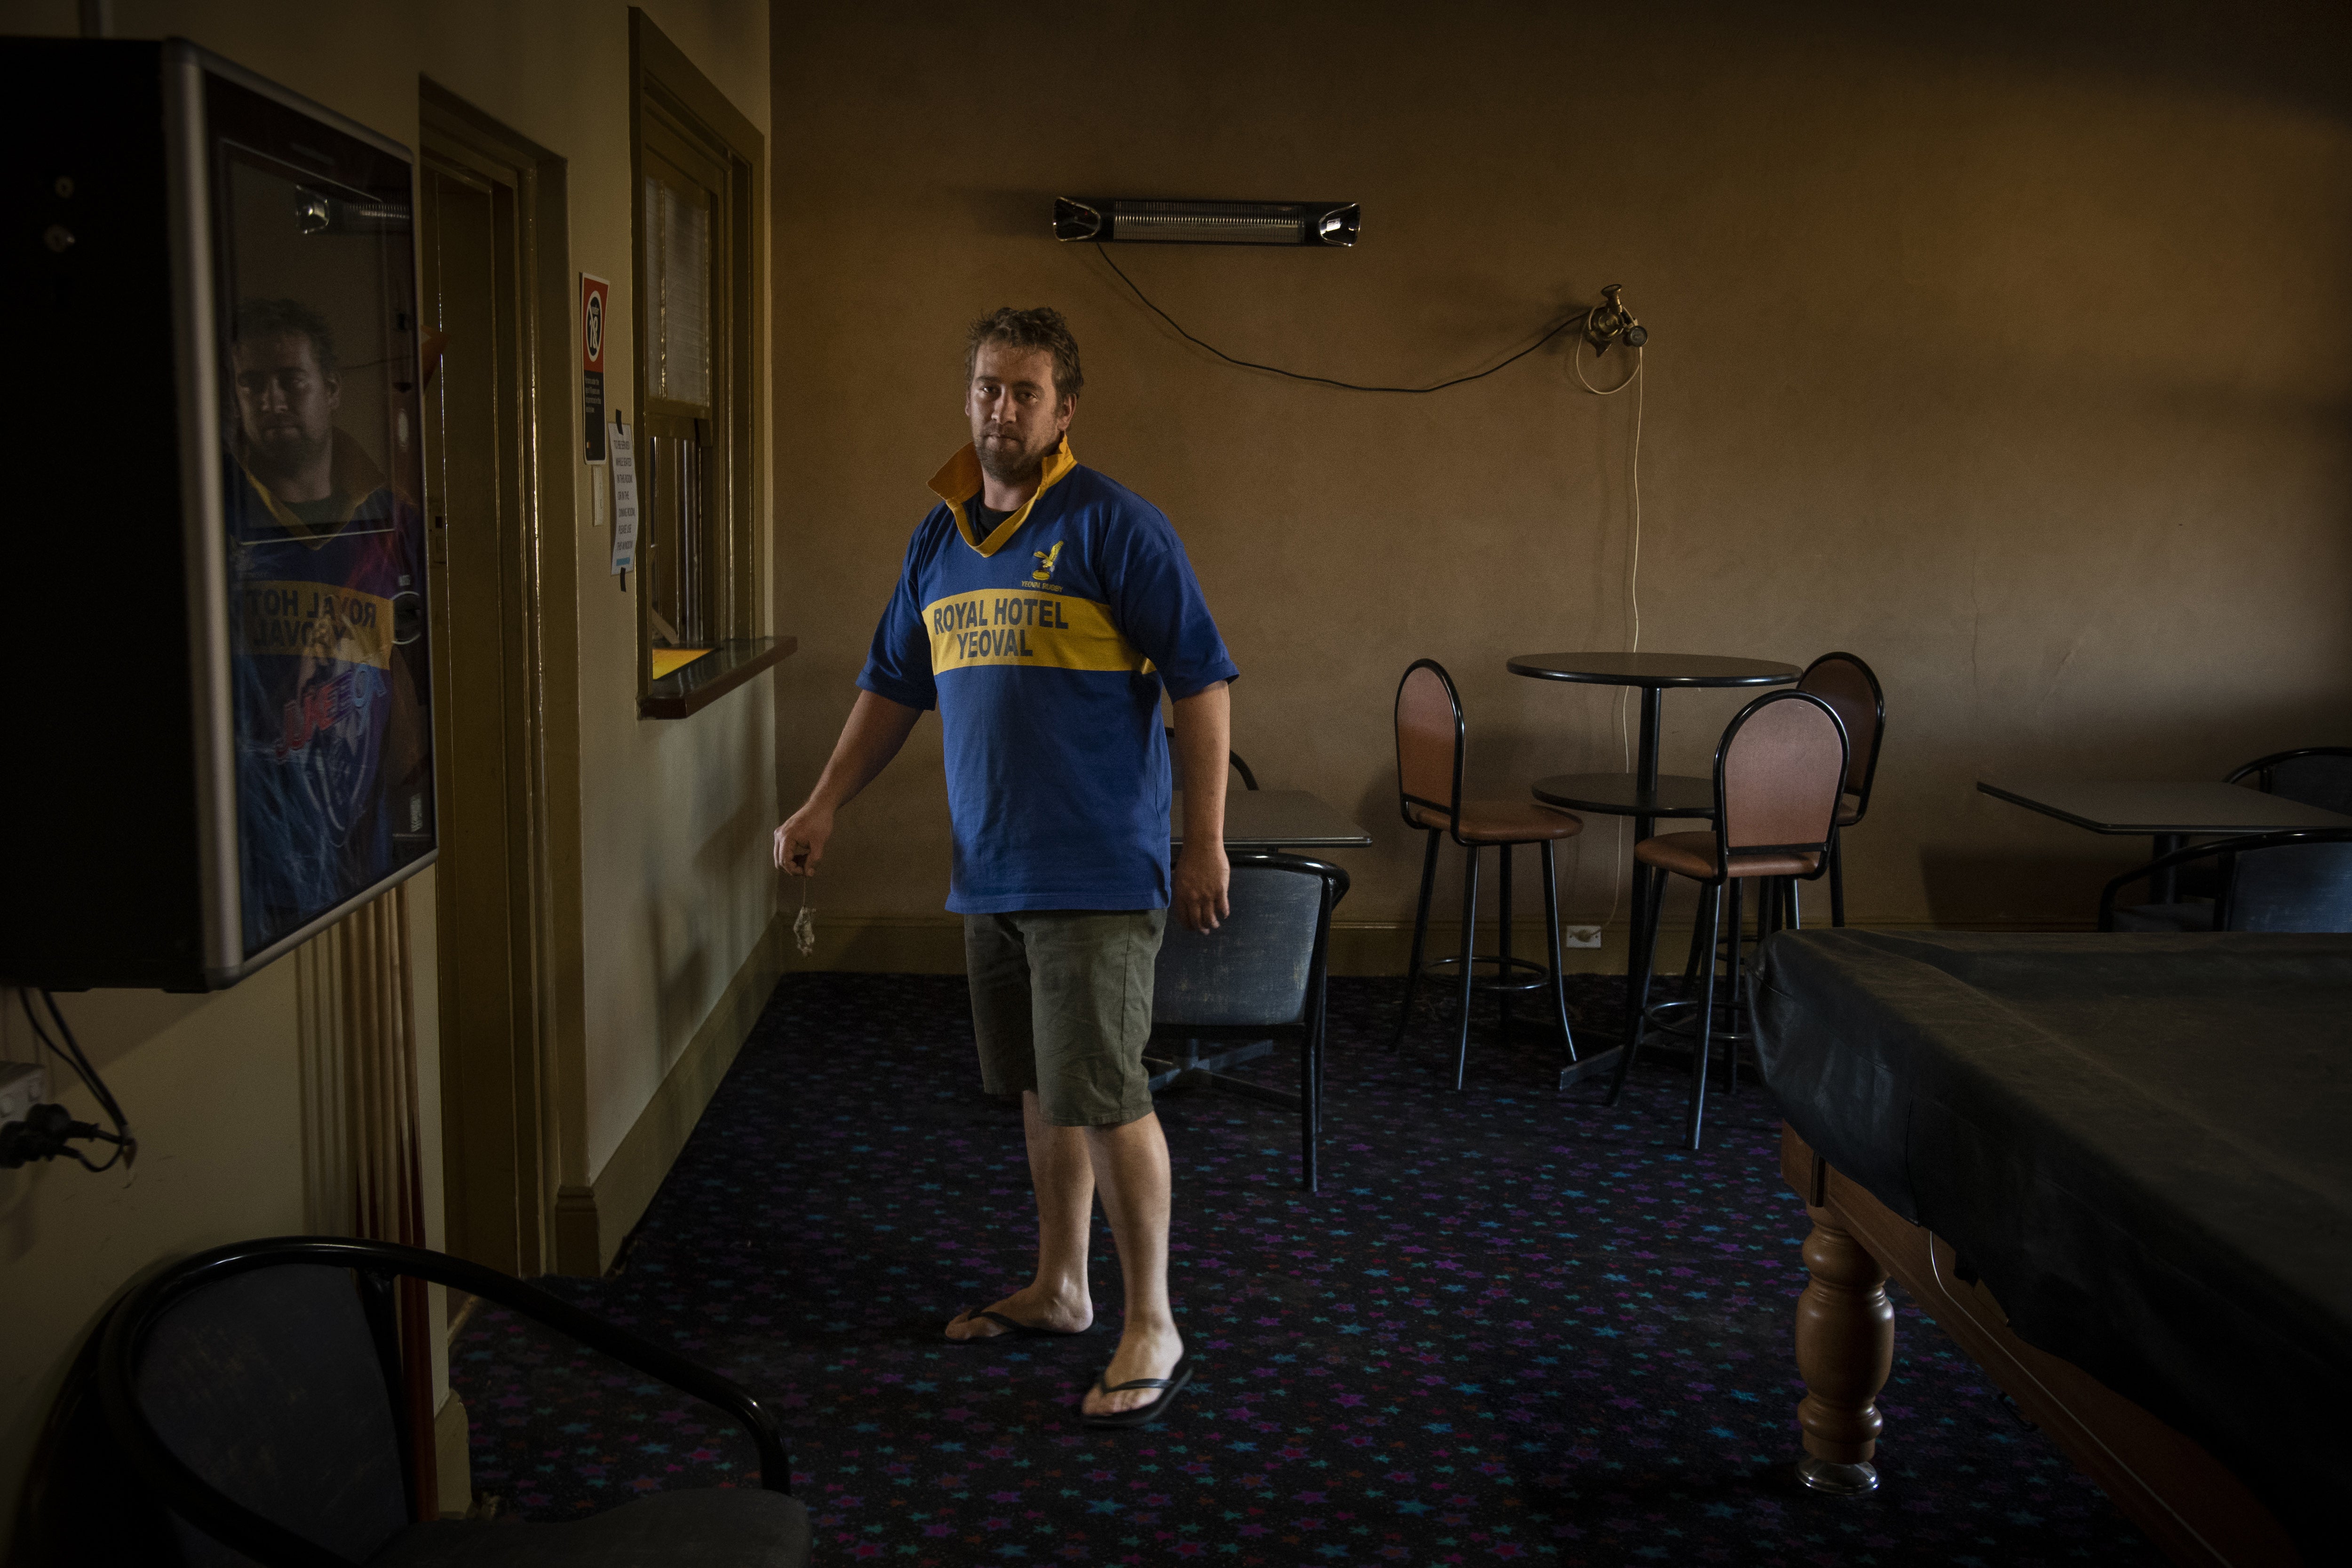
[{"x": 624, "y": 499}]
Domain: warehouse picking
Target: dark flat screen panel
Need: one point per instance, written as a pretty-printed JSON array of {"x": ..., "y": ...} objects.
[{"x": 98, "y": 795}]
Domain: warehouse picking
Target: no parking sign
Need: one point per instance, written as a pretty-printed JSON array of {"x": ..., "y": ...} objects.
[{"x": 594, "y": 298}]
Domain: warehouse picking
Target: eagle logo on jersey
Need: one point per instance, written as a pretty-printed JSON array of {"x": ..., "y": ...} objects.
[{"x": 1046, "y": 573}]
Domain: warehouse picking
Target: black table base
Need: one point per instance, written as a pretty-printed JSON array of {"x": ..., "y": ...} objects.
[{"x": 1644, "y": 796}]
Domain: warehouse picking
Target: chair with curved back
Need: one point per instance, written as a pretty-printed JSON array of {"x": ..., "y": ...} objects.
[
  {"x": 2310, "y": 776},
  {"x": 251, "y": 1391},
  {"x": 1779, "y": 770},
  {"x": 2199, "y": 887},
  {"x": 2297, "y": 881},
  {"x": 1431, "y": 739},
  {"x": 1848, "y": 685}
]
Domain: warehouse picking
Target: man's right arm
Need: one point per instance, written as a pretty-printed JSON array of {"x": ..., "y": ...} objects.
[{"x": 877, "y": 727}]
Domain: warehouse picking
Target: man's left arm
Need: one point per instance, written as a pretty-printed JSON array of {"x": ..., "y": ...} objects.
[
  {"x": 1156, "y": 603},
  {"x": 1204, "y": 728}
]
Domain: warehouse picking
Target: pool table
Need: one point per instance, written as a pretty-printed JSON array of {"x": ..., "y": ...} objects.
[{"x": 2117, "y": 1170}]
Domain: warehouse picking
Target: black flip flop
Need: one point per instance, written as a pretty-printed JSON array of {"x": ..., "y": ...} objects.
[
  {"x": 1015, "y": 1328},
  {"x": 1144, "y": 1415}
]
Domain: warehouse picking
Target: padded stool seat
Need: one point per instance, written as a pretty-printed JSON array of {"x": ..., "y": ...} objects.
[
  {"x": 741, "y": 1528},
  {"x": 1692, "y": 855},
  {"x": 1432, "y": 740},
  {"x": 1780, "y": 772},
  {"x": 1502, "y": 821}
]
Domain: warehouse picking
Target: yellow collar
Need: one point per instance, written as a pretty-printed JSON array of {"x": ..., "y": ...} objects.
[
  {"x": 958, "y": 480},
  {"x": 355, "y": 478}
]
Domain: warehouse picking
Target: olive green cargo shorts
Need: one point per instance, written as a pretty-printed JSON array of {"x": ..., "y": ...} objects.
[{"x": 1061, "y": 1003}]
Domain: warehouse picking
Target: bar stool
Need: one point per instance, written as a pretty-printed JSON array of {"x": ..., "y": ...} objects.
[
  {"x": 1431, "y": 738},
  {"x": 1846, "y": 684},
  {"x": 1778, "y": 774}
]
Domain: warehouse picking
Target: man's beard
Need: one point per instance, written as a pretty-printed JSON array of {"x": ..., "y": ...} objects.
[
  {"x": 1004, "y": 464},
  {"x": 286, "y": 453}
]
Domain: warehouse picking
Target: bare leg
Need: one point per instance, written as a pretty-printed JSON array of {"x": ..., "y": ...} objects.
[
  {"x": 1130, "y": 1164},
  {"x": 1063, "y": 1175}
]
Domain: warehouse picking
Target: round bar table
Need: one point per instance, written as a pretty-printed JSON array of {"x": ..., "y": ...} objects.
[{"x": 1641, "y": 794}]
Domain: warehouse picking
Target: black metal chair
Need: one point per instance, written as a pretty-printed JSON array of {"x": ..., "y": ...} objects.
[
  {"x": 1249, "y": 779},
  {"x": 2261, "y": 881},
  {"x": 1430, "y": 739},
  {"x": 1851, "y": 687},
  {"x": 1779, "y": 772},
  {"x": 2308, "y": 776},
  {"x": 1260, "y": 973},
  {"x": 2312, "y": 775},
  {"x": 253, "y": 1391}
]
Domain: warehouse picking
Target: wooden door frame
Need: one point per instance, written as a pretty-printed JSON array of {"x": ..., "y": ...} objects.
[{"x": 543, "y": 763}]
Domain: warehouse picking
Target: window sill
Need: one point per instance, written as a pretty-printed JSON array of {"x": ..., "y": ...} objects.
[{"x": 713, "y": 676}]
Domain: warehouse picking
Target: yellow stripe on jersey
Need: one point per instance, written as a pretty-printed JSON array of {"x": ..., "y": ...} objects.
[
  {"x": 998, "y": 626},
  {"x": 314, "y": 620}
]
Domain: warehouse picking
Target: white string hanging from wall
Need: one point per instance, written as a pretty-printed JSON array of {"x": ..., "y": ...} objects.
[{"x": 1633, "y": 596}]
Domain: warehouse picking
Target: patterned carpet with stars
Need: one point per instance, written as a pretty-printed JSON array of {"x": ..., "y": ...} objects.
[{"x": 1515, "y": 1325}]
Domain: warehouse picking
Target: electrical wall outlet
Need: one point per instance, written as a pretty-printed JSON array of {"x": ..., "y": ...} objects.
[
  {"x": 23, "y": 1085},
  {"x": 1580, "y": 936}
]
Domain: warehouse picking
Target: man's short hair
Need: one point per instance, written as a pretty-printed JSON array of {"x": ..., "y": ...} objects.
[
  {"x": 258, "y": 318},
  {"x": 1042, "y": 328}
]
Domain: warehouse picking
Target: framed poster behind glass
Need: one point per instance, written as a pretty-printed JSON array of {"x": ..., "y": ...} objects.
[
  {"x": 321, "y": 530},
  {"x": 215, "y": 603}
]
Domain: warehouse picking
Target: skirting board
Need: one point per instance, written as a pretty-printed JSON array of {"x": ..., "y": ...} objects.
[
  {"x": 592, "y": 1222},
  {"x": 453, "y": 1466},
  {"x": 933, "y": 944}
]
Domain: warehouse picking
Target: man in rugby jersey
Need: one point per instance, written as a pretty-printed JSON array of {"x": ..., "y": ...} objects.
[{"x": 1043, "y": 608}]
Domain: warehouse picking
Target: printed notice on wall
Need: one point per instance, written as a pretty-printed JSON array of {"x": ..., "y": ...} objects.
[{"x": 624, "y": 499}]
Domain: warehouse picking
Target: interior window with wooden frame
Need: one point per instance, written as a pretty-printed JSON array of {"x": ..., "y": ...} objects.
[{"x": 699, "y": 176}]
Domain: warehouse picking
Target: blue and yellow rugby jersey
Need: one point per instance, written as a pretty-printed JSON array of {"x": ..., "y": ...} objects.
[
  {"x": 320, "y": 610},
  {"x": 1044, "y": 646}
]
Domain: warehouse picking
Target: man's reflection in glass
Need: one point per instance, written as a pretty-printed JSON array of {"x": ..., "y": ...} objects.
[
  {"x": 322, "y": 567},
  {"x": 287, "y": 392}
]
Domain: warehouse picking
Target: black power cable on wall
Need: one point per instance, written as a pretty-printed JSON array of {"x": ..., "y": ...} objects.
[
  {"x": 1583, "y": 317},
  {"x": 48, "y": 1131}
]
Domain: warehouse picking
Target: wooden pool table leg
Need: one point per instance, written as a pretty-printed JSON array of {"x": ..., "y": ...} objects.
[{"x": 1845, "y": 1347}]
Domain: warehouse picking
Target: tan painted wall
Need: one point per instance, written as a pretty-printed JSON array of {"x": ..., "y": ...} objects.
[
  {"x": 231, "y": 1097},
  {"x": 675, "y": 813},
  {"x": 1927, "y": 382}
]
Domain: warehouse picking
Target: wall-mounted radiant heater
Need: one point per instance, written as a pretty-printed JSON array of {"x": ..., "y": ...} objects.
[{"x": 1100, "y": 218}]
